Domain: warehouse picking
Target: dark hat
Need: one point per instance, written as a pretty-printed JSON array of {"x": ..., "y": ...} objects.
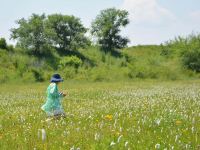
[{"x": 56, "y": 78}]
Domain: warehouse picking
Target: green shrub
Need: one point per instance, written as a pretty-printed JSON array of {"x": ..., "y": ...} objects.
[
  {"x": 191, "y": 59},
  {"x": 123, "y": 62},
  {"x": 83, "y": 74},
  {"x": 70, "y": 61},
  {"x": 100, "y": 74},
  {"x": 20, "y": 63},
  {"x": 3, "y": 44},
  {"x": 69, "y": 72},
  {"x": 38, "y": 74},
  {"x": 28, "y": 77},
  {"x": 3, "y": 76}
]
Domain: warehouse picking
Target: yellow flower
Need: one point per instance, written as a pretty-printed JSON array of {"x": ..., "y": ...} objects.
[
  {"x": 178, "y": 122},
  {"x": 108, "y": 117}
]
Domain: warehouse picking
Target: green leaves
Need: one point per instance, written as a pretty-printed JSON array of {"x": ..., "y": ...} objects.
[
  {"x": 39, "y": 34},
  {"x": 191, "y": 59},
  {"x": 30, "y": 35},
  {"x": 67, "y": 32},
  {"x": 107, "y": 26},
  {"x": 3, "y": 44},
  {"x": 70, "y": 61}
]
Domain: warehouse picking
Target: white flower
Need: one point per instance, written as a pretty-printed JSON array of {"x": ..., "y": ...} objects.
[
  {"x": 157, "y": 146},
  {"x": 43, "y": 134},
  {"x": 176, "y": 138},
  {"x": 192, "y": 129},
  {"x": 157, "y": 121},
  {"x": 112, "y": 143},
  {"x": 126, "y": 144},
  {"x": 120, "y": 129},
  {"x": 119, "y": 138},
  {"x": 96, "y": 136},
  {"x": 72, "y": 148}
]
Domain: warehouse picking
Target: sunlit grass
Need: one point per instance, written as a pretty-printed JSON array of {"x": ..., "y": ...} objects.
[{"x": 103, "y": 116}]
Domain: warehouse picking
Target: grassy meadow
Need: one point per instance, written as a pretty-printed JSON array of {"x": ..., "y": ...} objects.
[
  {"x": 120, "y": 97},
  {"x": 113, "y": 115}
]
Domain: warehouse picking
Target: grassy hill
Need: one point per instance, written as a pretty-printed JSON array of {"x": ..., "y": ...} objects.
[{"x": 163, "y": 62}]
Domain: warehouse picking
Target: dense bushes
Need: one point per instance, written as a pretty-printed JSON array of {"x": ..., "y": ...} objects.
[
  {"x": 188, "y": 48},
  {"x": 70, "y": 61},
  {"x": 3, "y": 44},
  {"x": 191, "y": 59}
]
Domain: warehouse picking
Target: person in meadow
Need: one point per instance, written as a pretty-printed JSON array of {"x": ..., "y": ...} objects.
[{"x": 53, "y": 106}]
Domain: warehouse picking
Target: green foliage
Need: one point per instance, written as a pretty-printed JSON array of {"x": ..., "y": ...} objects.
[
  {"x": 189, "y": 50},
  {"x": 100, "y": 74},
  {"x": 57, "y": 43},
  {"x": 166, "y": 51},
  {"x": 38, "y": 74},
  {"x": 3, "y": 44},
  {"x": 39, "y": 34},
  {"x": 69, "y": 72},
  {"x": 30, "y": 35},
  {"x": 3, "y": 76},
  {"x": 191, "y": 59},
  {"x": 70, "y": 61},
  {"x": 107, "y": 26},
  {"x": 66, "y": 32}
]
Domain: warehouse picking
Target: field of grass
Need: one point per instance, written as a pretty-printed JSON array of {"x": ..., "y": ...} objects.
[{"x": 137, "y": 115}]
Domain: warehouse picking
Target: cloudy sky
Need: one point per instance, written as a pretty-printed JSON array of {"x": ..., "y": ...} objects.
[{"x": 152, "y": 21}]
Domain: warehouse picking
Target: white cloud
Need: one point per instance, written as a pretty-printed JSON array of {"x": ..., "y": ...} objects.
[
  {"x": 142, "y": 11},
  {"x": 151, "y": 23}
]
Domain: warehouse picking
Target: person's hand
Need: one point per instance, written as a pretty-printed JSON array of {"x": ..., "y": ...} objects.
[{"x": 64, "y": 94}]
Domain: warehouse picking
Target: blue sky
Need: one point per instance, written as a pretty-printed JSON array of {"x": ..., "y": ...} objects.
[{"x": 152, "y": 21}]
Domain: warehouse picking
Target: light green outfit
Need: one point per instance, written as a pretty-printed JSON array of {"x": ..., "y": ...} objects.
[{"x": 53, "y": 103}]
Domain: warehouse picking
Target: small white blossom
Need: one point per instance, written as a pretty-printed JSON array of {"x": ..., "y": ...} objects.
[
  {"x": 126, "y": 144},
  {"x": 157, "y": 121},
  {"x": 112, "y": 143},
  {"x": 157, "y": 146},
  {"x": 43, "y": 134},
  {"x": 119, "y": 138}
]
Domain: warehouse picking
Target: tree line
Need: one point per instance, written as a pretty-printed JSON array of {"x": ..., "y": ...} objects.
[{"x": 40, "y": 35}]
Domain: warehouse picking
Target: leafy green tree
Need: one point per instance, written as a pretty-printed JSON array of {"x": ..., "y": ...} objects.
[
  {"x": 66, "y": 32},
  {"x": 30, "y": 35},
  {"x": 107, "y": 26},
  {"x": 3, "y": 44}
]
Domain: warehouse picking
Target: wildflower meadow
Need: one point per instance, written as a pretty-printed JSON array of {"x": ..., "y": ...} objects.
[{"x": 122, "y": 116}]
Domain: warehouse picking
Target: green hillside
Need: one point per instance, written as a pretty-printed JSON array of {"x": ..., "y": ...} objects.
[{"x": 164, "y": 62}]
